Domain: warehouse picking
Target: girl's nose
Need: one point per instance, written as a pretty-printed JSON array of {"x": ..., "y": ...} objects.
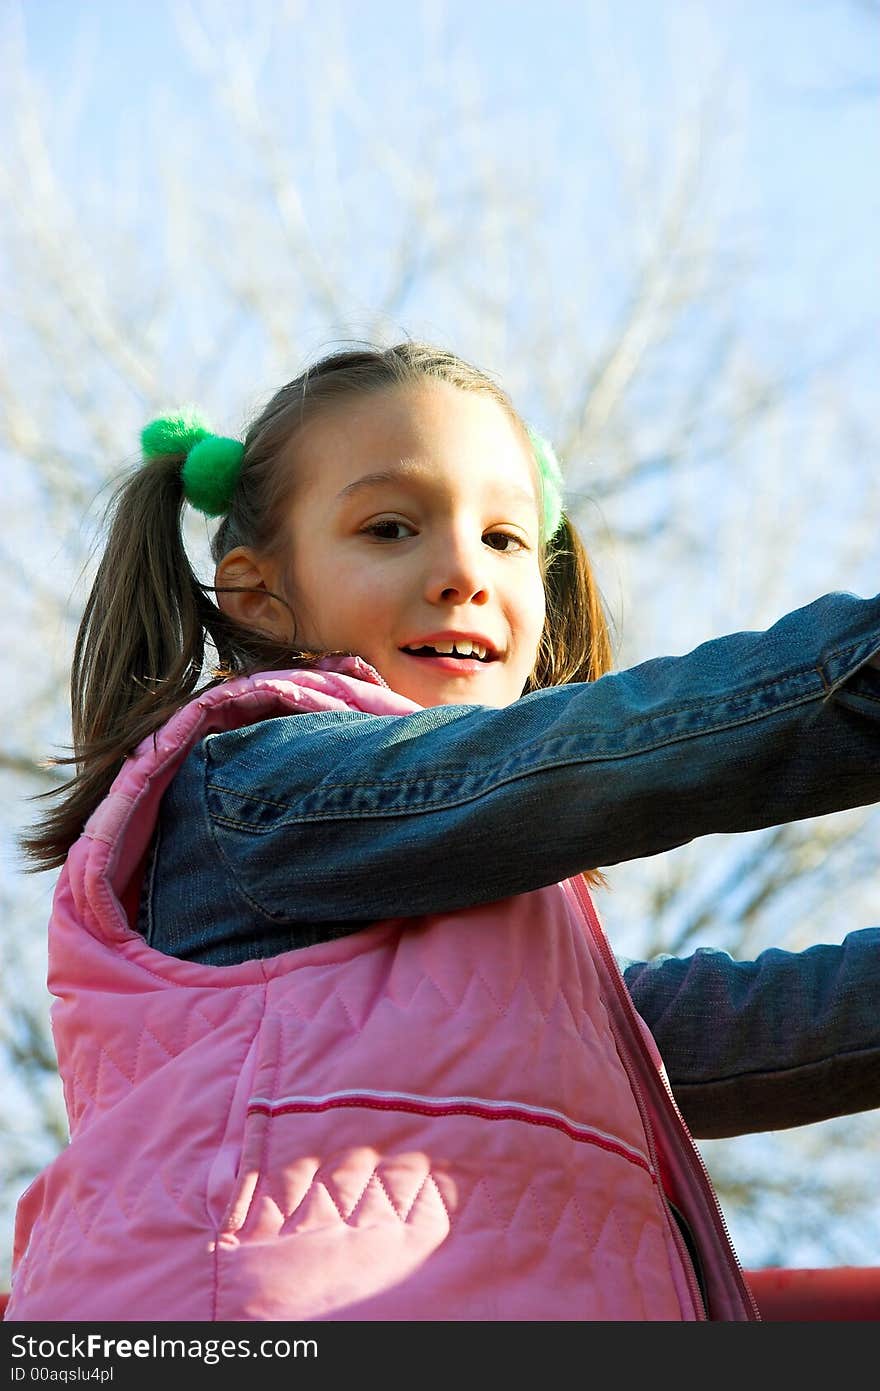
[{"x": 458, "y": 573}]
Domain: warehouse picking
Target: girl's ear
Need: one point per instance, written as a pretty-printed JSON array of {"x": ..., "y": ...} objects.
[{"x": 245, "y": 592}]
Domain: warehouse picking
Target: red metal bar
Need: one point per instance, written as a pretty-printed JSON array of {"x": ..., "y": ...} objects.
[{"x": 839, "y": 1294}]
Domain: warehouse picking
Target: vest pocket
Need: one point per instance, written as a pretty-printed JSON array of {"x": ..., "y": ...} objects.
[{"x": 241, "y": 1155}]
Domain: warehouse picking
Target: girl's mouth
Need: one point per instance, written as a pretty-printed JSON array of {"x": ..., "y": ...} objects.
[{"x": 458, "y": 663}]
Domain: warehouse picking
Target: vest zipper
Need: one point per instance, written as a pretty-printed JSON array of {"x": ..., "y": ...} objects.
[
  {"x": 692, "y": 1249},
  {"x": 698, "y": 1168}
]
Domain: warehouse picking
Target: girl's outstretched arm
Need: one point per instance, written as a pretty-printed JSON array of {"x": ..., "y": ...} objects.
[
  {"x": 788, "y": 1039},
  {"x": 346, "y": 817}
]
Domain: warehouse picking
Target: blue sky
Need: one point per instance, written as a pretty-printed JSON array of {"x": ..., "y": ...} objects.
[
  {"x": 565, "y": 83},
  {"x": 800, "y": 72}
]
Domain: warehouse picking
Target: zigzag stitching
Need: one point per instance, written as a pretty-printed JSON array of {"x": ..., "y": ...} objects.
[
  {"x": 577, "y": 1016},
  {"x": 501, "y": 1006},
  {"x": 373, "y": 1178},
  {"x": 145, "y": 1032},
  {"x": 378, "y": 1177},
  {"x": 319, "y": 1183},
  {"x": 490, "y": 1201},
  {"x": 210, "y": 1024},
  {"x": 404, "y": 1216},
  {"x": 545, "y": 1227},
  {"x": 431, "y": 1178},
  {"x": 76, "y": 1078},
  {"x": 86, "y": 1227},
  {"x": 520, "y": 1199},
  {"x": 613, "y": 1217},
  {"x": 103, "y": 1054},
  {"x": 296, "y": 1013},
  {"x": 591, "y": 1235},
  {"x": 425, "y": 978},
  {"x": 299, "y": 1202},
  {"x": 578, "y": 1019},
  {"x": 337, "y": 995}
]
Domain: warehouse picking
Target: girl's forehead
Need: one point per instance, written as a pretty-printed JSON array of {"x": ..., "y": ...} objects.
[{"x": 432, "y": 426}]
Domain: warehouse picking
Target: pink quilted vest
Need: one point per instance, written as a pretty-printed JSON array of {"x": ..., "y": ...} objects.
[{"x": 455, "y": 1117}]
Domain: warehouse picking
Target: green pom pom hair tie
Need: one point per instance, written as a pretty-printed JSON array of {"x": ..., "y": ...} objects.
[
  {"x": 211, "y": 465},
  {"x": 550, "y": 471}
]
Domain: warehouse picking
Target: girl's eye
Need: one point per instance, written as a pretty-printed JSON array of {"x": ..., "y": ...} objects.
[
  {"x": 383, "y": 529},
  {"x": 494, "y": 536},
  {"x": 389, "y": 529}
]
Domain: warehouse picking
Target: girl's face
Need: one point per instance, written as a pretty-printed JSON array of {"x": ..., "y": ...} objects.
[{"x": 414, "y": 527}]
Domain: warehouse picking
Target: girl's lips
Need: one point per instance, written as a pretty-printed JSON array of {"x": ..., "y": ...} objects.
[{"x": 455, "y": 666}]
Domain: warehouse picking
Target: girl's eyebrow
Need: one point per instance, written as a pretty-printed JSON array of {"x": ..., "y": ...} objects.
[
  {"x": 408, "y": 474},
  {"x": 369, "y": 480}
]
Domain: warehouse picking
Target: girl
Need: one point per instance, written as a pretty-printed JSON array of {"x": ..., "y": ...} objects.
[{"x": 340, "y": 1032}]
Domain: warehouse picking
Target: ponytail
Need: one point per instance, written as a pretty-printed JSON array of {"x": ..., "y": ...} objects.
[
  {"x": 140, "y": 649},
  {"x": 576, "y": 642},
  {"x": 140, "y": 638}
]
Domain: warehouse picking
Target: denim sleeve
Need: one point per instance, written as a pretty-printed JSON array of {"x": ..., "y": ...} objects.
[
  {"x": 354, "y": 817},
  {"x": 788, "y": 1039}
]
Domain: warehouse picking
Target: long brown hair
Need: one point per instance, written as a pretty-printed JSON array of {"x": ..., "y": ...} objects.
[{"x": 141, "y": 650}]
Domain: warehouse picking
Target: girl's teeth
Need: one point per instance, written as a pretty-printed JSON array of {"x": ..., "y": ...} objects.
[{"x": 462, "y": 648}]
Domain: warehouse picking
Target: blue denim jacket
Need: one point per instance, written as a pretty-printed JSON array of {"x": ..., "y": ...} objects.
[{"x": 309, "y": 826}]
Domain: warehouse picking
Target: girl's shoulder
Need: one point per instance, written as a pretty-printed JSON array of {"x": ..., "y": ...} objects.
[{"x": 273, "y": 733}]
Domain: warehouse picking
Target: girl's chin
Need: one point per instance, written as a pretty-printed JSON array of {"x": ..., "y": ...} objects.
[{"x": 449, "y": 681}]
